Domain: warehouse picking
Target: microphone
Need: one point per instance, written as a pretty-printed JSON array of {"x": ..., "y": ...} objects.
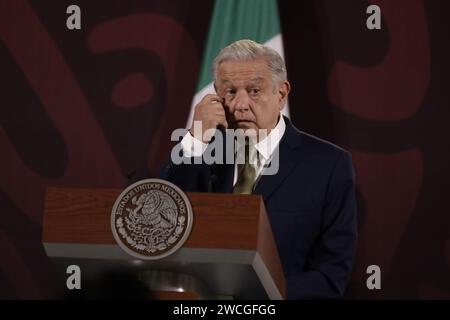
[
  {"x": 212, "y": 179},
  {"x": 221, "y": 129},
  {"x": 130, "y": 175},
  {"x": 213, "y": 175}
]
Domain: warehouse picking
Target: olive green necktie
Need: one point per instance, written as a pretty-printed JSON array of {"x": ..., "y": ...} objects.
[{"x": 246, "y": 172}]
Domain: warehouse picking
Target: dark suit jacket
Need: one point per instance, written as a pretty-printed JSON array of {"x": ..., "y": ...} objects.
[{"x": 311, "y": 207}]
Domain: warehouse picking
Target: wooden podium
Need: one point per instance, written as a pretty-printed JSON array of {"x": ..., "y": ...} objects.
[{"x": 230, "y": 251}]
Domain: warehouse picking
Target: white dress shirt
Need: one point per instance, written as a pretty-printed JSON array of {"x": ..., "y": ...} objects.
[{"x": 193, "y": 147}]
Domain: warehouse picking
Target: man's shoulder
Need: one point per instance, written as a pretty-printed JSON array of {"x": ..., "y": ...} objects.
[{"x": 315, "y": 145}]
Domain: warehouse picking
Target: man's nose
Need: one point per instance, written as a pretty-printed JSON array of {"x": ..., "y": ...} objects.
[{"x": 241, "y": 101}]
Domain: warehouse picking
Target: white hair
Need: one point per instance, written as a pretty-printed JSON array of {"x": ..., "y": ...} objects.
[{"x": 245, "y": 50}]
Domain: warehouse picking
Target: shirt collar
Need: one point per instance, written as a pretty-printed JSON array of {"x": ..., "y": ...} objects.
[{"x": 267, "y": 146}]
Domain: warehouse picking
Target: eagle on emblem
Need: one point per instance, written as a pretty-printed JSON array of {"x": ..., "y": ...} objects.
[{"x": 155, "y": 209}]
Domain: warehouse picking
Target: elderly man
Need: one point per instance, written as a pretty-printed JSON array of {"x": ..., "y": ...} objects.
[{"x": 310, "y": 199}]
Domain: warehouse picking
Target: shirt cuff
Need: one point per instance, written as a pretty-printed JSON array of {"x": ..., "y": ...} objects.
[{"x": 192, "y": 147}]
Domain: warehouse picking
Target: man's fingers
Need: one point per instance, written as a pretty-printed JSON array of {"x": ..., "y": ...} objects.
[
  {"x": 217, "y": 109},
  {"x": 213, "y": 98},
  {"x": 211, "y": 112}
]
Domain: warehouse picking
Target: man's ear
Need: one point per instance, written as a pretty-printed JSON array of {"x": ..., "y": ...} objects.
[{"x": 283, "y": 92}]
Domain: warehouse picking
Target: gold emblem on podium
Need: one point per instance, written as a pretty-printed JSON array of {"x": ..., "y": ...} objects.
[{"x": 151, "y": 219}]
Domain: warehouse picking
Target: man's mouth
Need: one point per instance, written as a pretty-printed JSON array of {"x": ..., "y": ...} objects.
[{"x": 244, "y": 120}]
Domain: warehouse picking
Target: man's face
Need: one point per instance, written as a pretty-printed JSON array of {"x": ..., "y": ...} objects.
[{"x": 252, "y": 100}]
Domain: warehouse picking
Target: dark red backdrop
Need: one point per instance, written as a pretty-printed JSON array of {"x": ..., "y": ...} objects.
[{"x": 95, "y": 107}]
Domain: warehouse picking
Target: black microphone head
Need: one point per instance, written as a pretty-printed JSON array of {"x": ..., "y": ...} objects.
[{"x": 221, "y": 128}]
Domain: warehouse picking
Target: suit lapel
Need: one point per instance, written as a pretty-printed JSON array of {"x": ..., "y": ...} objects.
[
  {"x": 288, "y": 160},
  {"x": 223, "y": 174}
]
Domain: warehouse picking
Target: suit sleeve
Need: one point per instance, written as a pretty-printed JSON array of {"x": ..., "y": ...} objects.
[{"x": 329, "y": 263}]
